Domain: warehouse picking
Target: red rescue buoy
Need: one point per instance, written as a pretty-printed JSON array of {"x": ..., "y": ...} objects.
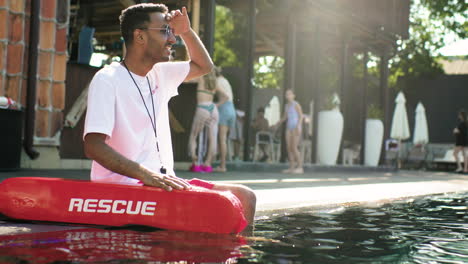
[{"x": 85, "y": 202}]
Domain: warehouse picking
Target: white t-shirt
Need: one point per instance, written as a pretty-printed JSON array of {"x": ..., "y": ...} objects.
[
  {"x": 116, "y": 109},
  {"x": 223, "y": 84}
]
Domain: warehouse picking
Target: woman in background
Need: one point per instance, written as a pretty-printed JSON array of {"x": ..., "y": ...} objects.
[
  {"x": 206, "y": 115},
  {"x": 461, "y": 141},
  {"x": 227, "y": 116}
]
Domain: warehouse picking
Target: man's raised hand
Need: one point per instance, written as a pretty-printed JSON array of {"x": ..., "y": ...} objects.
[{"x": 179, "y": 21}]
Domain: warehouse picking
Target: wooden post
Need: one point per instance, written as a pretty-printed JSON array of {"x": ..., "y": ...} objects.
[
  {"x": 364, "y": 105},
  {"x": 384, "y": 98},
  {"x": 250, "y": 72},
  {"x": 196, "y": 16},
  {"x": 315, "y": 82},
  {"x": 290, "y": 63},
  {"x": 208, "y": 35},
  {"x": 344, "y": 81}
]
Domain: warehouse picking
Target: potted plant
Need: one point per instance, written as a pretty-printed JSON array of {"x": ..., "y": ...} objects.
[
  {"x": 374, "y": 135},
  {"x": 330, "y": 132}
]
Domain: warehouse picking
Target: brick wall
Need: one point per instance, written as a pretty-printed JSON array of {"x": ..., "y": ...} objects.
[{"x": 52, "y": 59}]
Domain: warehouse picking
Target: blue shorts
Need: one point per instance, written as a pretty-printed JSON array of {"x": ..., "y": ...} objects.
[{"x": 227, "y": 114}]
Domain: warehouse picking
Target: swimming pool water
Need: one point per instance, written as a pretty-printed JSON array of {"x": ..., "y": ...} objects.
[{"x": 427, "y": 230}]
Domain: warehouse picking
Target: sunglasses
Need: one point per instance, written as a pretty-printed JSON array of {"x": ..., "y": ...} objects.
[{"x": 166, "y": 30}]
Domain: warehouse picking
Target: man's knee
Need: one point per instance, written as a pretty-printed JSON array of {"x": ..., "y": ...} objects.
[
  {"x": 244, "y": 193},
  {"x": 248, "y": 192}
]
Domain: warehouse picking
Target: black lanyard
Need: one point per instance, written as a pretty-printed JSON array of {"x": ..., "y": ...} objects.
[{"x": 152, "y": 119}]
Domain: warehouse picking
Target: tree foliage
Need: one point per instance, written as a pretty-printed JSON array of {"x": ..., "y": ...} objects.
[
  {"x": 430, "y": 23},
  {"x": 417, "y": 56},
  {"x": 227, "y": 35},
  {"x": 452, "y": 13},
  {"x": 269, "y": 72}
]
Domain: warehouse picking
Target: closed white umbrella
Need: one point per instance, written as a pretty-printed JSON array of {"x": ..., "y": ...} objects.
[
  {"x": 421, "y": 131},
  {"x": 400, "y": 126},
  {"x": 273, "y": 111}
]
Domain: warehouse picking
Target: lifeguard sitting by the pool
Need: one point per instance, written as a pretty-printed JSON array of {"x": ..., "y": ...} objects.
[{"x": 127, "y": 130}]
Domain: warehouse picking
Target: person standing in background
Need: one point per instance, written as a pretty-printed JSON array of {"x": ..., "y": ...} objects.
[
  {"x": 461, "y": 141},
  {"x": 206, "y": 115},
  {"x": 227, "y": 117},
  {"x": 293, "y": 117}
]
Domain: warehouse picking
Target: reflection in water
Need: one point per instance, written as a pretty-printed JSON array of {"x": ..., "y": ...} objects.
[
  {"x": 430, "y": 230},
  {"x": 119, "y": 246}
]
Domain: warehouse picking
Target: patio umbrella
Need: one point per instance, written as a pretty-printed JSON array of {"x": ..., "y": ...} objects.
[
  {"x": 400, "y": 126},
  {"x": 273, "y": 111},
  {"x": 421, "y": 134}
]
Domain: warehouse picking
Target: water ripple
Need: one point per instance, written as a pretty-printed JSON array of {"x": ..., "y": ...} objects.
[{"x": 428, "y": 230}]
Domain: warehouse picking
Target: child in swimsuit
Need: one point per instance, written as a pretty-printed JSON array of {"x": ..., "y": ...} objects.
[{"x": 293, "y": 117}]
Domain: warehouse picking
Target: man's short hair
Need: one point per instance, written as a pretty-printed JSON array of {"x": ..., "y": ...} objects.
[{"x": 137, "y": 17}]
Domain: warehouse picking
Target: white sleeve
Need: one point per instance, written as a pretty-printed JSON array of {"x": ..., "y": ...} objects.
[
  {"x": 173, "y": 74},
  {"x": 100, "y": 116}
]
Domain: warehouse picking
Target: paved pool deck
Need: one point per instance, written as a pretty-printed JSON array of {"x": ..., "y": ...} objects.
[{"x": 319, "y": 188}]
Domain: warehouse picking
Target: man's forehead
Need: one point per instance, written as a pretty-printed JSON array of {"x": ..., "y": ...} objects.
[{"x": 158, "y": 18}]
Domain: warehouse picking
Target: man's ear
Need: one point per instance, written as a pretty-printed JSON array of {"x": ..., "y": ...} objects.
[{"x": 138, "y": 36}]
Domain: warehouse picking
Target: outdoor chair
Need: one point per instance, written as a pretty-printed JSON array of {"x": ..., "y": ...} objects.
[
  {"x": 229, "y": 150},
  {"x": 351, "y": 154},
  {"x": 306, "y": 142},
  {"x": 306, "y": 150},
  {"x": 443, "y": 158},
  {"x": 273, "y": 146},
  {"x": 396, "y": 153},
  {"x": 276, "y": 149},
  {"x": 417, "y": 157}
]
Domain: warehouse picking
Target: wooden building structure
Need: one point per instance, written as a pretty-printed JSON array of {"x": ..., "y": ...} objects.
[{"x": 304, "y": 32}]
